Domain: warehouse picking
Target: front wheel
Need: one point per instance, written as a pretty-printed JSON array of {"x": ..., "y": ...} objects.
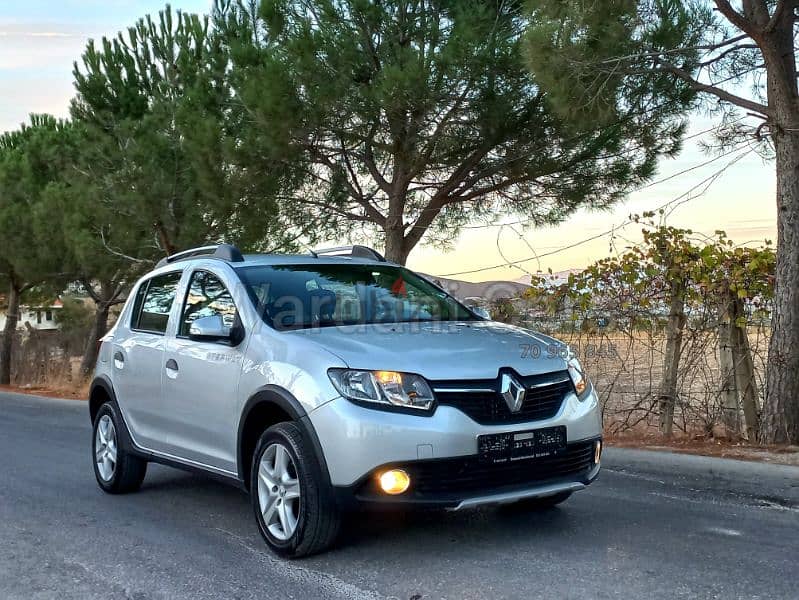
[
  {"x": 117, "y": 470},
  {"x": 294, "y": 507}
]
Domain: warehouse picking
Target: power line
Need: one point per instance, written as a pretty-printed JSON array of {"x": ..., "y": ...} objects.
[
  {"x": 638, "y": 189},
  {"x": 682, "y": 198}
]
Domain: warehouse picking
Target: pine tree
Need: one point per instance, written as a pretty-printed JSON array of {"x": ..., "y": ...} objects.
[
  {"x": 31, "y": 255},
  {"x": 410, "y": 119}
]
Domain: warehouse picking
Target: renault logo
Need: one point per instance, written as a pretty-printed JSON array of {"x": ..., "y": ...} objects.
[{"x": 512, "y": 391}]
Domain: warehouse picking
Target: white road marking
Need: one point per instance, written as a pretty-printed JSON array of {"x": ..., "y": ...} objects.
[
  {"x": 330, "y": 584},
  {"x": 724, "y": 531}
]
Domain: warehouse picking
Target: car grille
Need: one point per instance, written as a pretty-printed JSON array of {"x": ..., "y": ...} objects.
[
  {"x": 468, "y": 475},
  {"x": 483, "y": 403}
]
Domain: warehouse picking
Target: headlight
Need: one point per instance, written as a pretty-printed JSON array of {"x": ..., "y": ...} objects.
[
  {"x": 578, "y": 377},
  {"x": 383, "y": 387}
]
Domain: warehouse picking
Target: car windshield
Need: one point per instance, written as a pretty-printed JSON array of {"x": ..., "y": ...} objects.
[{"x": 324, "y": 295}]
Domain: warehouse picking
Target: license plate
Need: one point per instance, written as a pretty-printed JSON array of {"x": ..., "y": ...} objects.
[{"x": 521, "y": 445}]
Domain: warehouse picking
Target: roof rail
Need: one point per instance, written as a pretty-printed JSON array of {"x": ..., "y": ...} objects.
[
  {"x": 220, "y": 251},
  {"x": 355, "y": 251}
]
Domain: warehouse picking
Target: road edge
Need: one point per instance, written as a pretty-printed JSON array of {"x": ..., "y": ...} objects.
[{"x": 764, "y": 483}]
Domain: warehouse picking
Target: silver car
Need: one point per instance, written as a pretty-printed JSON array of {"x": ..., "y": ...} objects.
[{"x": 331, "y": 382}]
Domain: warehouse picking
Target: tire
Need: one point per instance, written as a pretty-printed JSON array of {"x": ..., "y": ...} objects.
[
  {"x": 117, "y": 470},
  {"x": 542, "y": 503},
  {"x": 293, "y": 504}
]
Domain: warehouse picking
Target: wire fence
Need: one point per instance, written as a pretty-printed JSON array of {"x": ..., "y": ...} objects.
[
  {"x": 46, "y": 358},
  {"x": 624, "y": 355}
]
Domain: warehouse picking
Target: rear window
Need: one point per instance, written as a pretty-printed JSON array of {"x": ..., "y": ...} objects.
[{"x": 154, "y": 301}]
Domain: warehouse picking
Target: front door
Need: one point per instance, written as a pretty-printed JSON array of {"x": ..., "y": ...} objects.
[{"x": 201, "y": 378}]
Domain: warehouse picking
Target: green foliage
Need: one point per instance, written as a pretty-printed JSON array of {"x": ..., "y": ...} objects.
[
  {"x": 416, "y": 117},
  {"x": 573, "y": 48},
  {"x": 504, "y": 310},
  {"x": 74, "y": 318},
  {"x": 640, "y": 62},
  {"x": 32, "y": 160},
  {"x": 161, "y": 135},
  {"x": 640, "y": 282}
]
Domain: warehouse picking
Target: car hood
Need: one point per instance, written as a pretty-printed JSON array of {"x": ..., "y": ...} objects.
[{"x": 440, "y": 351}]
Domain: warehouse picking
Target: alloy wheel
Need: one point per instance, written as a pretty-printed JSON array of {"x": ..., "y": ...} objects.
[
  {"x": 279, "y": 492},
  {"x": 105, "y": 448}
]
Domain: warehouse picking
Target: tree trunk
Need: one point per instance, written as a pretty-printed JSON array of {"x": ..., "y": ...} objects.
[
  {"x": 98, "y": 330},
  {"x": 780, "y": 423},
  {"x": 395, "y": 244},
  {"x": 730, "y": 415},
  {"x": 671, "y": 362},
  {"x": 12, "y": 317}
]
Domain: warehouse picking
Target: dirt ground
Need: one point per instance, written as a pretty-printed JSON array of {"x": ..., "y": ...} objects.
[
  {"x": 68, "y": 391},
  {"x": 784, "y": 455}
]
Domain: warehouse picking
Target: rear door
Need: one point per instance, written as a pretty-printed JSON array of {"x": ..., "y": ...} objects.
[
  {"x": 138, "y": 361},
  {"x": 201, "y": 377}
]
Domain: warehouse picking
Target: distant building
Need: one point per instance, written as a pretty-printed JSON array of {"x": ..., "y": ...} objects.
[
  {"x": 38, "y": 317},
  {"x": 552, "y": 280}
]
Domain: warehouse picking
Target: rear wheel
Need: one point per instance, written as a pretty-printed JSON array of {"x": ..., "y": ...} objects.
[
  {"x": 117, "y": 471},
  {"x": 294, "y": 506}
]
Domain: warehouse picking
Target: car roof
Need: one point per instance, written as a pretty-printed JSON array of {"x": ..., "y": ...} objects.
[
  {"x": 225, "y": 253},
  {"x": 303, "y": 259}
]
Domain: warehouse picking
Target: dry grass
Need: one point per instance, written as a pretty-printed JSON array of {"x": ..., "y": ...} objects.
[{"x": 68, "y": 391}]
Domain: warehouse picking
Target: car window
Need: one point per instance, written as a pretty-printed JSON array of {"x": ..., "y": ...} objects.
[
  {"x": 207, "y": 296},
  {"x": 323, "y": 295},
  {"x": 154, "y": 302}
]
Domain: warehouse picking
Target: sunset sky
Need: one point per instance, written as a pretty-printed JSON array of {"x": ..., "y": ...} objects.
[{"x": 40, "y": 39}]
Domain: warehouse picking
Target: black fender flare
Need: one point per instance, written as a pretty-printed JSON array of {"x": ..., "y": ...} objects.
[
  {"x": 103, "y": 382},
  {"x": 284, "y": 400}
]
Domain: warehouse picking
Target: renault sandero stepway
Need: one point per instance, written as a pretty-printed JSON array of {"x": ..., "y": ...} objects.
[{"x": 334, "y": 381}]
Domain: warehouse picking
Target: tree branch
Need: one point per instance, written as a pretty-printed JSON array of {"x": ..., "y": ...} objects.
[
  {"x": 87, "y": 285},
  {"x": 338, "y": 211},
  {"x": 728, "y": 51},
  {"x": 374, "y": 215},
  {"x": 737, "y": 19},
  {"x": 496, "y": 187},
  {"x": 716, "y": 91},
  {"x": 657, "y": 53},
  {"x": 434, "y": 138},
  {"x": 120, "y": 254},
  {"x": 423, "y": 222},
  {"x": 371, "y": 165},
  {"x": 779, "y": 13}
]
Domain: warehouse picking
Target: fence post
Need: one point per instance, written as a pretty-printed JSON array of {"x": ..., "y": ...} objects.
[
  {"x": 671, "y": 364},
  {"x": 744, "y": 369},
  {"x": 730, "y": 414}
]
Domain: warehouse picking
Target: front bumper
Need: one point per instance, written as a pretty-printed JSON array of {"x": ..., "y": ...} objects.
[
  {"x": 356, "y": 440},
  {"x": 456, "y": 483}
]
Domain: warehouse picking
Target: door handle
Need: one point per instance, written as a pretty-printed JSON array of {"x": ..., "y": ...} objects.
[{"x": 172, "y": 368}]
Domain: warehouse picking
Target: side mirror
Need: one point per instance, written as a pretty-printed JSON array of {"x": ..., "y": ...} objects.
[
  {"x": 210, "y": 329},
  {"x": 481, "y": 312}
]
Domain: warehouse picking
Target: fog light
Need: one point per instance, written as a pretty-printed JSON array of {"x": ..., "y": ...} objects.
[
  {"x": 394, "y": 481},
  {"x": 597, "y": 451}
]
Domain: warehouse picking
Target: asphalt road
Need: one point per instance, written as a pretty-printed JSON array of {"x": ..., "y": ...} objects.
[{"x": 651, "y": 527}]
